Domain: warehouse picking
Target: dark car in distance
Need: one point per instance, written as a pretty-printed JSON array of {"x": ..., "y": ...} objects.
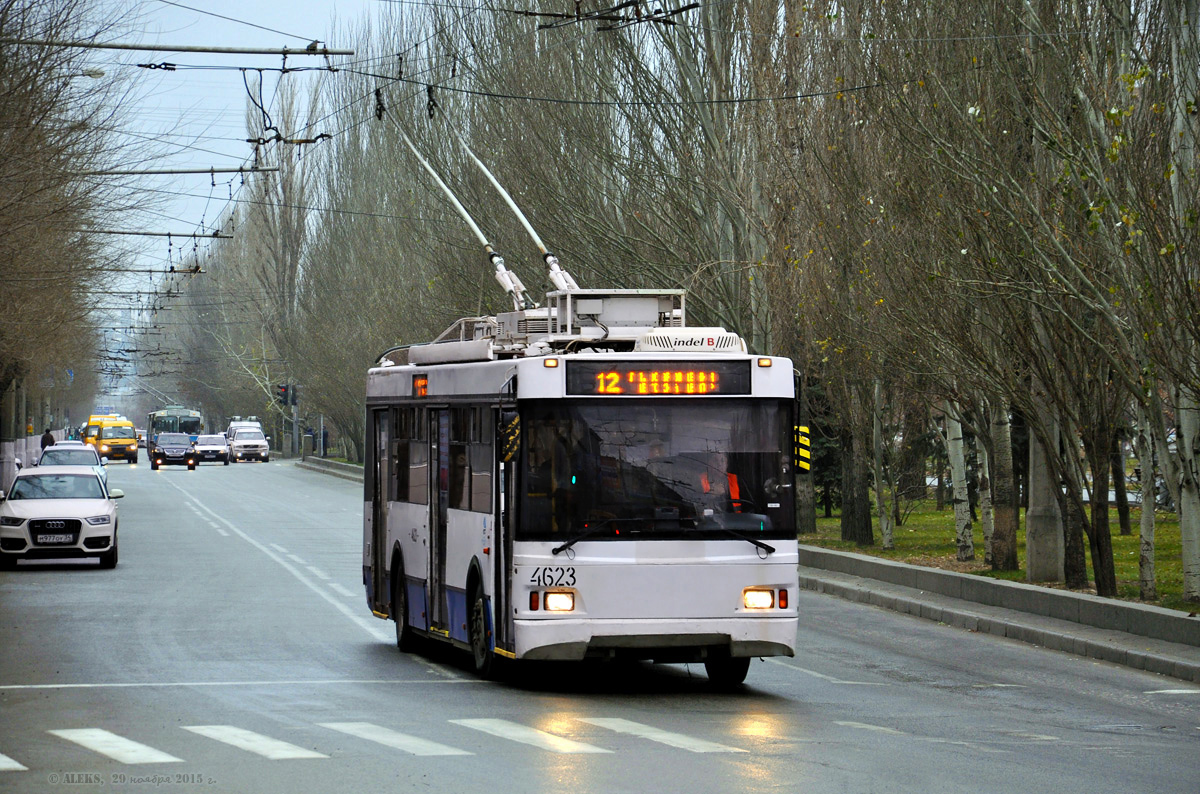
[{"x": 174, "y": 449}]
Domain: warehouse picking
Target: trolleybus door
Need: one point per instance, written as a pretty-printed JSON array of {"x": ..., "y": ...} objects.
[
  {"x": 380, "y": 480},
  {"x": 440, "y": 502},
  {"x": 502, "y": 537}
]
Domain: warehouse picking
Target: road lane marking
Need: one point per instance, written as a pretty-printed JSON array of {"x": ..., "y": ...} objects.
[
  {"x": 169, "y": 684},
  {"x": 342, "y": 591},
  {"x": 824, "y": 677},
  {"x": 297, "y": 559},
  {"x": 367, "y": 626},
  {"x": 115, "y": 747},
  {"x": 390, "y": 738},
  {"x": 267, "y": 747},
  {"x": 9, "y": 765},
  {"x": 525, "y": 735},
  {"x": 1172, "y": 692},
  {"x": 279, "y": 548},
  {"x": 864, "y": 726},
  {"x": 317, "y": 572},
  {"x": 682, "y": 741}
]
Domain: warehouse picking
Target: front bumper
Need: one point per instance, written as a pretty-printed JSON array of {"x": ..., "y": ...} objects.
[
  {"x": 20, "y": 543},
  {"x": 664, "y": 639}
]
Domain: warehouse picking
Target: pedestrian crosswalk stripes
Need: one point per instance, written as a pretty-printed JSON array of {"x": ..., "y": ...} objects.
[
  {"x": 274, "y": 749},
  {"x": 669, "y": 738},
  {"x": 531, "y": 736},
  {"x": 390, "y": 738},
  {"x": 128, "y": 751},
  {"x": 115, "y": 747}
]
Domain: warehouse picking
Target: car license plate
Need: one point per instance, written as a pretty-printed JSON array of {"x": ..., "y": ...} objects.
[{"x": 55, "y": 538}]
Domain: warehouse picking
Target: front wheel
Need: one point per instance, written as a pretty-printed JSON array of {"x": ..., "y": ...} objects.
[
  {"x": 481, "y": 646},
  {"x": 226, "y": 461},
  {"x": 727, "y": 672},
  {"x": 153, "y": 466},
  {"x": 266, "y": 458},
  {"x": 109, "y": 558},
  {"x": 406, "y": 641},
  {"x": 191, "y": 467}
]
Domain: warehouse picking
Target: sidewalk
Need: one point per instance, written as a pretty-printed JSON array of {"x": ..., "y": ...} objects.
[{"x": 1135, "y": 635}]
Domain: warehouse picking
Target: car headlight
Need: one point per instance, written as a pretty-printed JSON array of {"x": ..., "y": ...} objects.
[
  {"x": 95, "y": 520},
  {"x": 104, "y": 447},
  {"x": 11, "y": 521}
]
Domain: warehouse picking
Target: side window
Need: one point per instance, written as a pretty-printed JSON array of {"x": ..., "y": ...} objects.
[
  {"x": 418, "y": 457},
  {"x": 460, "y": 470},
  {"x": 482, "y": 458}
]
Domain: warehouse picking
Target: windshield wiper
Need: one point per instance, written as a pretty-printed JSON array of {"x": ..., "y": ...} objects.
[
  {"x": 591, "y": 531},
  {"x": 769, "y": 549}
]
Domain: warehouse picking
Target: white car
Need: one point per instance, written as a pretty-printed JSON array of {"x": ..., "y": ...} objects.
[
  {"x": 215, "y": 448},
  {"x": 249, "y": 443},
  {"x": 74, "y": 455},
  {"x": 58, "y": 512}
]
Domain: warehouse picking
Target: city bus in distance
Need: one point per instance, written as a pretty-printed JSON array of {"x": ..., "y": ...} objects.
[
  {"x": 588, "y": 479},
  {"x": 172, "y": 419}
]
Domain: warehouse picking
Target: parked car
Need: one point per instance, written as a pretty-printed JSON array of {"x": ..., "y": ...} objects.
[
  {"x": 173, "y": 449},
  {"x": 249, "y": 443},
  {"x": 213, "y": 448},
  {"x": 58, "y": 512},
  {"x": 74, "y": 454}
]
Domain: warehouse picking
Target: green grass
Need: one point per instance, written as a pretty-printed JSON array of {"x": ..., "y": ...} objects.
[{"x": 927, "y": 538}]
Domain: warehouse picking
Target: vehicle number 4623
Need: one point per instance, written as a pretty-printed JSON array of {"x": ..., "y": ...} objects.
[{"x": 553, "y": 577}]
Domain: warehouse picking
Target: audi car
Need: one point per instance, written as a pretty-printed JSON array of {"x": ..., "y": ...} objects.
[
  {"x": 58, "y": 512},
  {"x": 174, "y": 449}
]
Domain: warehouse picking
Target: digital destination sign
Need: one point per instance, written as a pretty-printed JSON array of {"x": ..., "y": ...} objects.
[{"x": 658, "y": 378}]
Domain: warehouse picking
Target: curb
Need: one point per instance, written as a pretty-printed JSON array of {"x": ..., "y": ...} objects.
[
  {"x": 1058, "y": 620},
  {"x": 347, "y": 471}
]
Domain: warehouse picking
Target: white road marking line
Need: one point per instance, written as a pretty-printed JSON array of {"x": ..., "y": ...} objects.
[
  {"x": 1172, "y": 692},
  {"x": 317, "y": 572},
  {"x": 824, "y": 677},
  {"x": 653, "y": 734},
  {"x": 279, "y": 548},
  {"x": 342, "y": 591},
  {"x": 868, "y": 727},
  {"x": 297, "y": 559},
  {"x": 222, "y": 532},
  {"x": 525, "y": 735},
  {"x": 298, "y": 682},
  {"x": 9, "y": 765},
  {"x": 274, "y": 749},
  {"x": 115, "y": 747},
  {"x": 367, "y": 626},
  {"x": 390, "y": 738}
]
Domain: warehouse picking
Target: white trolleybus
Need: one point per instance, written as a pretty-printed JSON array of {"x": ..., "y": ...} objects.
[{"x": 587, "y": 479}]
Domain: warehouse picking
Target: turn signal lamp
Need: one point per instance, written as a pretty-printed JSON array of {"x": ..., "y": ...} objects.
[
  {"x": 764, "y": 362},
  {"x": 758, "y": 599},
  {"x": 550, "y": 363},
  {"x": 560, "y": 602}
]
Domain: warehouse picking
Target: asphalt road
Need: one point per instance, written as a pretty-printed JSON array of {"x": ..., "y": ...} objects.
[{"x": 232, "y": 650}]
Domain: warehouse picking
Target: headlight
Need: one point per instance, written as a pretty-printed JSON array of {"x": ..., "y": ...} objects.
[
  {"x": 560, "y": 602},
  {"x": 94, "y": 520},
  {"x": 758, "y": 599},
  {"x": 104, "y": 447},
  {"x": 11, "y": 521}
]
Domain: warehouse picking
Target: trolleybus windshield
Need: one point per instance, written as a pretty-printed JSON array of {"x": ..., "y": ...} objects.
[{"x": 655, "y": 469}]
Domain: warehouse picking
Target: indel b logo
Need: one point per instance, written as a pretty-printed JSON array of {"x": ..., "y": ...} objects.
[{"x": 710, "y": 342}]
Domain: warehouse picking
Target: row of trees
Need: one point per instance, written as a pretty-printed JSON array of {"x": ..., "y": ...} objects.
[
  {"x": 948, "y": 215},
  {"x": 57, "y": 124}
]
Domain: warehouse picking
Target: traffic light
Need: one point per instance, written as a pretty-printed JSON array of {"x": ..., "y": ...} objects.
[
  {"x": 295, "y": 393},
  {"x": 282, "y": 394}
]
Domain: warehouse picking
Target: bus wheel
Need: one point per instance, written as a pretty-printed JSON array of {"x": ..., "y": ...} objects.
[
  {"x": 405, "y": 640},
  {"x": 727, "y": 672},
  {"x": 481, "y": 651}
]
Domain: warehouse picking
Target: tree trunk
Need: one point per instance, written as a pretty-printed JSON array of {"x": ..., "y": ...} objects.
[
  {"x": 1189, "y": 495},
  {"x": 1100, "y": 534},
  {"x": 958, "y": 476},
  {"x": 1004, "y": 498},
  {"x": 856, "y": 503},
  {"x": 985, "y": 503},
  {"x": 1044, "y": 530},
  {"x": 1074, "y": 557},
  {"x": 1147, "y": 588},
  {"x": 881, "y": 507},
  {"x": 1119, "y": 491}
]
